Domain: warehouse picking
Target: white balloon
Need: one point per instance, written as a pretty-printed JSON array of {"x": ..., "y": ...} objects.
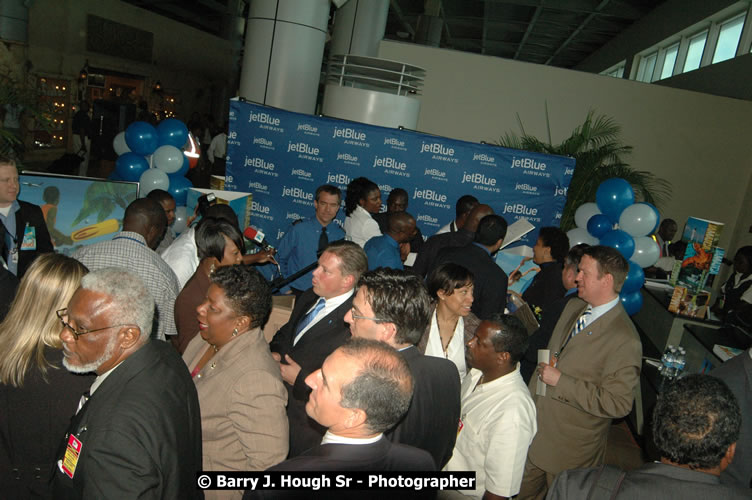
[
  {"x": 168, "y": 158},
  {"x": 153, "y": 179},
  {"x": 646, "y": 251},
  {"x": 119, "y": 145},
  {"x": 584, "y": 212},
  {"x": 638, "y": 219},
  {"x": 581, "y": 235},
  {"x": 181, "y": 219}
]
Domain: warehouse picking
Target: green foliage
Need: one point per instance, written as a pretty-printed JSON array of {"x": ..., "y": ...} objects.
[
  {"x": 598, "y": 151},
  {"x": 14, "y": 92},
  {"x": 101, "y": 198}
]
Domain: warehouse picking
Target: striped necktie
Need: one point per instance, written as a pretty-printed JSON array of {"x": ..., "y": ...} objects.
[
  {"x": 581, "y": 321},
  {"x": 308, "y": 319}
]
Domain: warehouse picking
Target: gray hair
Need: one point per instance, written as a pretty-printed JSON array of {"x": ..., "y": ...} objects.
[{"x": 131, "y": 303}]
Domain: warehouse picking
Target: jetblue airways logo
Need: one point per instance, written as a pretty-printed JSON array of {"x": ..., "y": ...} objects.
[
  {"x": 263, "y": 118},
  {"x": 261, "y": 141},
  {"x": 257, "y": 185},
  {"x": 569, "y": 171},
  {"x": 435, "y": 172},
  {"x": 308, "y": 129},
  {"x": 302, "y": 147},
  {"x": 300, "y": 172},
  {"x": 348, "y": 133},
  {"x": 528, "y": 164},
  {"x": 259, "y": 208},
  {"x": 297, "y": 193},
  {"x": 428, "y": 219},
  {"x": 484, "y": 158},
  {"x": 526, "y": 188},
  {"x": 258, "y": 163},
  {"x": 293, "y": 216},
  {"x": 519, "y": 209},
  {"x": 393, "y": 141},
  {"x": 560, "y": 191},
  {"x": 478, "y": 178},
  {"x": 347, "y": 157},
  {"x": 429, "y": 195},
  {"x": 341, "y": 179},
  {"x": 389, "y": 163},
  {"x": 436, "y": 148}
]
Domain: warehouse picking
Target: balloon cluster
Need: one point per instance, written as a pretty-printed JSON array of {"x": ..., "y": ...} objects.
[
  {"x": 155, "y": 158},
  {"x": 616, "y": 221}
]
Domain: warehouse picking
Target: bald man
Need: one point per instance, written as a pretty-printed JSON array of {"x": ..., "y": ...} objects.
[{"x": 385, "y": 250}]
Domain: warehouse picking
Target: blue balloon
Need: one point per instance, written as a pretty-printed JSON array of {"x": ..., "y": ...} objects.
[
  {"x": 619, "y": 240},
  {"x": 598, "y": 225},
  {"x": 130, "y": 166},
  {"x": 635, "y": 278},
  {"x": 179, "y": 187},
  {"x": 172, "y": 132},
  {"x": 613, "y": 196},
  {"x": 631, "y": 301},
  {"x": 142, "y": 138},
  {"x": 184, "y": 169}
]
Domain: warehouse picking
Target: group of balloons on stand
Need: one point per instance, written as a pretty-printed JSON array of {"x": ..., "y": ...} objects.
[
  {"x": 158, "y": 158},
  {"x": 616, "y": 221}
]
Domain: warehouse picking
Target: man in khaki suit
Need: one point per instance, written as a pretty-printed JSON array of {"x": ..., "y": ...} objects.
[{"x": 595, "y": 365}]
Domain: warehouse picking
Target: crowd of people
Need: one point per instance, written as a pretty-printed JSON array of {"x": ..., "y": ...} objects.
[{"x": 124, "y": 371}]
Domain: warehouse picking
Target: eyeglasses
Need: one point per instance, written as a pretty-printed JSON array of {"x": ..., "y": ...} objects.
[
  {"x": 63, "y": 313},
  {"x": 358, "y": 316}
]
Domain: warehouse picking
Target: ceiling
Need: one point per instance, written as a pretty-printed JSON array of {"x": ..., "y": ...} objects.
[{"x": 554, "y": 32}]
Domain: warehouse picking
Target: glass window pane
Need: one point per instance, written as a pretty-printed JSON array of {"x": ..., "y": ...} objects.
[
  {"x": 669, "y": 61},
  {"x": 694, "y": 53},
  {"x": 728, "y": 39},
  {"x": 649, "y": 67}
]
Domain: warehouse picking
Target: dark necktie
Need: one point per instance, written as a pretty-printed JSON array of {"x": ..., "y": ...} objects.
[{"x": 323, "y": 240}]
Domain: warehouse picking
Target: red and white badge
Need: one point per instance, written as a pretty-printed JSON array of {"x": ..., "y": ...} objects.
[{"x": 72, "y": 452}]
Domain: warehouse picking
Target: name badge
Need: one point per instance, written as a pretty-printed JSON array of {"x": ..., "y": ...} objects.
[
  {"x": 29, "y": 238},
  {"x": 72, "y": 452}
]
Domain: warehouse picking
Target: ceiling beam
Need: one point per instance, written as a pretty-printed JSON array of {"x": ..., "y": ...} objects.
[
  {"x": 529, "y": 29},
  {"x": 577, "y": 31},
  {"x": 394, "y": 4}
]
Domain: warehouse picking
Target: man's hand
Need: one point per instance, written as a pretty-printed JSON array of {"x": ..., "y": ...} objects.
[
  {"x": 290, "y": 370},
  {"x": 548, "y": 374},
  {"x": 277, "y": 357}
]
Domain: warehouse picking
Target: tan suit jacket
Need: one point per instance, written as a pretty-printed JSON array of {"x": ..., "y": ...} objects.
[
  {"x": 600, "y": 368},
  {"x": 242, "y": 398}
]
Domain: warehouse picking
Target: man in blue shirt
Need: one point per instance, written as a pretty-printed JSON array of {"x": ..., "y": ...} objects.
[
  {"x": 384, "y": 250},
  {"x": 303, "y": 241}
]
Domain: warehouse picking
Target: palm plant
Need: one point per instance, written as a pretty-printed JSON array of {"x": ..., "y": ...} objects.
[
  {"x": 598, "y": 151},
  {"x": 14, "y": 92}
]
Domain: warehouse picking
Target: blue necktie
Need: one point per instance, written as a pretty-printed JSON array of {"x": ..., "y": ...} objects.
[{"x": 308, "y": 318}]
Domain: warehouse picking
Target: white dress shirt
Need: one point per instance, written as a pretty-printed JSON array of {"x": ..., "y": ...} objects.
[{"x": 456, "y": 349}]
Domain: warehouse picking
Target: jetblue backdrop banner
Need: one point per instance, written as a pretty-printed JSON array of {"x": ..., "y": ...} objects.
[{"x": 282, "y": 157}]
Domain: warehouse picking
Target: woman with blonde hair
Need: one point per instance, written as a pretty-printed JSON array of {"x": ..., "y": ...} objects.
[{"x": 37, "y": 395}]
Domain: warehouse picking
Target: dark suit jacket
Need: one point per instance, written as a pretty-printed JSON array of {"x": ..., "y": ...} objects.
[
  {"x": 490, "y": 280},
  {"x": 540, "y": 337},
  {"x": 653, "y": 481},
  {"x": 426, "y": 259},
  {"x": 737, "y": 373},
  {"x": 379, "y": 456},
  {"x": 140, "y": 432},
  {"x": 546, "y": 287},
  {"x": 8, "y": 285},
  {"x": 33, "y": 419},
  {"x": 310, "y": 352},
  {"x": 432, "y": 419},
  {"x": 29, "y": 214}
]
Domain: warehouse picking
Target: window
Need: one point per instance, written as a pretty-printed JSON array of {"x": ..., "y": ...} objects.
[
  {"x": 615, "y": 71},
  {"x": 669, "y": 60},
  {"x": 646, "y": 67},
  {"x": 694, "y": 52},
  {"x": 728, "y": 39}
]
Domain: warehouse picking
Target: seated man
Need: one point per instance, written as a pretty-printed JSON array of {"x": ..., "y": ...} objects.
[
  {"x": 393, "y": 307},
  {"x": 498, "y": 414},
  {"x": 696, "y": 423},
  {"x": 362, "y": 389}
]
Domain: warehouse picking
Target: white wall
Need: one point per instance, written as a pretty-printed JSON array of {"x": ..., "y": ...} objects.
[{"x": 700, "y": 143}]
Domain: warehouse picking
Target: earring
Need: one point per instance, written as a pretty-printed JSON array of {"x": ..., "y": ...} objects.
[
  {"x": 211, "y": 269},
  {"x": 235, "y": 332}
]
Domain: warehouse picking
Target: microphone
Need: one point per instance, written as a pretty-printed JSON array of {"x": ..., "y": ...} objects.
[{"x": 257, "y": 237}]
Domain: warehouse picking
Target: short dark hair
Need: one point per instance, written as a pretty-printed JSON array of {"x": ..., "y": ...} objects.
[
  {"x": 396, "y": 193},
  {"x": 465, "y": 205},
  {"x": 511, "y": 336},
  {"x": 51, "y": 195},
  {"x": 491, "y": 229},
  {"x": 352, "y": 256},
  {"x": 383, "y": 386},
  {"x": 696, "y": 419},
  {"x": 7, "y": 161},
  {"x": 246, "y": 290},
  {"x": 223, "y": 211},
  {"x": 328, "y": 189},
  {"x": 160, "y": 195},
  {"x": 210, "y": 241},
  {"x": 144, "y": 213},
  {"x": 746, "y": 252},
  {"x": 610, "y": 261},
  {"x": 557, "y": 240},
  {"x": 398, "y": 297},
  {"x": 448, "y": 277},
  {"x": 572, "y": 260},
  {"x": 358, "y": 189}
]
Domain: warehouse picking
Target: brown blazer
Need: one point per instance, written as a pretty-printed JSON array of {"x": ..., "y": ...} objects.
[
  {"x": 242, "y": 398},
  {"x": 600, "y": 368}
]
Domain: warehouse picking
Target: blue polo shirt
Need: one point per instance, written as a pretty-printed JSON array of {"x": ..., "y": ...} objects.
[{"x": 383, "y": 251}]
